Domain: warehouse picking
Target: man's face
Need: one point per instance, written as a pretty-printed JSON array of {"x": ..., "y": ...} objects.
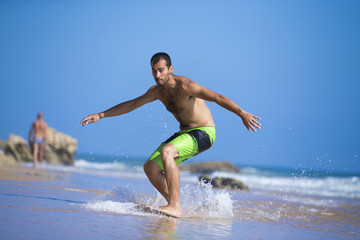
[{"x": 161, "y": 72}]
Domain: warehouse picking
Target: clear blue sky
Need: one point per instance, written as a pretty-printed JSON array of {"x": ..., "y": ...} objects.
[{"x": 296, "y": 64}]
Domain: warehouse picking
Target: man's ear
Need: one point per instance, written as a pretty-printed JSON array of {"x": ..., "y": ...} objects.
[{"x": 171, "y": 69}]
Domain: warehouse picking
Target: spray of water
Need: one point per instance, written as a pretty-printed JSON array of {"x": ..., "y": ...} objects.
[{"x": 197, "y": 201}]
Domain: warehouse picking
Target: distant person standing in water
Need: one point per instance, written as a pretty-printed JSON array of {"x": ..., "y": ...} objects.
[
  {"x": 185, "y": 99},
  {"x": 38, "y": 137}
]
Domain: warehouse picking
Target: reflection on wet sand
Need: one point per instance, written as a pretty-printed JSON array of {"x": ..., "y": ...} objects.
[
  {"x": 161, "y": 228},
  {"x": 172, "y": 228}
]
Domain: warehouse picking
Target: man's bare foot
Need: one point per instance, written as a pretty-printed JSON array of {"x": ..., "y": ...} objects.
[{"x": 171, "y": 210}]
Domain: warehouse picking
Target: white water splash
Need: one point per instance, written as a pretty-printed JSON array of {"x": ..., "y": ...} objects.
[
  {"x": 202, "y": 201},
  {"x": 197, "y": 201},
  {"x": 111, "y": 206}
]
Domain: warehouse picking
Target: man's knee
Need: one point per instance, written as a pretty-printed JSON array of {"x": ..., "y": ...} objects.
[
  {"x": 168, "y": 155},
  {"x": 150, "y": 167},
  {"x": 169, "y": 150},
  {"x": 147, "y": 166}
]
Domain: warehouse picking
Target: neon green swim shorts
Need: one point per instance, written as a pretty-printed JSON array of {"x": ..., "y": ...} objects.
[{"x": 188, "y": 142}]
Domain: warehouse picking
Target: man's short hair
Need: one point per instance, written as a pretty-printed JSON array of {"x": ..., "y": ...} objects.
[
  {"x": 161, "y": 55},
  {"x": 40, "y": 115}
]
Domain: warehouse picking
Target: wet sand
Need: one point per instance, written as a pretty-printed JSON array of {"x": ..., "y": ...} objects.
[
  {"x": 43, "y": 204},
  {"x": 19, "y": 173}
]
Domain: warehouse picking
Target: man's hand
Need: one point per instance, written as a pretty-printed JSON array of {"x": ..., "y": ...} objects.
[
  {"x": 250, "y": 122},
  {"x": 92, "y": 118},
  {"x": 31, "y": 141}
]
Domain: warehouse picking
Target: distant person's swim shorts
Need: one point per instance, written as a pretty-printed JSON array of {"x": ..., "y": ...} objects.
[
  {"x": 188, "y": 142},
  {"x": 39, "y": 141}
]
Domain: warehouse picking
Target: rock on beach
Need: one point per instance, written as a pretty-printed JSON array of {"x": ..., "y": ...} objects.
[
  {"x": 217, "y": 182},
  {"x": 224, "y": 183},
  {"x": 15, "y": 150},
  {"x": 209, "y": 167},
  {"x": 60, "y": 149}
]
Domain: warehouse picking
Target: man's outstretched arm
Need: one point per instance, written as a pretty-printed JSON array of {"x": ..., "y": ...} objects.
[
  {"x": 121, "y": 108},
  {"x": 199, "y": 91}
]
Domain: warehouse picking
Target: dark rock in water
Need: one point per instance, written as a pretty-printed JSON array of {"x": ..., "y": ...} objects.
[
  {"x": 209, "y": 167},
  {"x": 60, "y": 149},
  {"x": 224, "y": 183},
  {"x": 205, "y": 178}
]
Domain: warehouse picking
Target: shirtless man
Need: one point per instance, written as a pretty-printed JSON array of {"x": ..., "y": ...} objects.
[
  {"x": 185, "y": 99},
  {"x": 38, "y": 136}
]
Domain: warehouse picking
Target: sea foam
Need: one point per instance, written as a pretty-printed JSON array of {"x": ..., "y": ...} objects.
[{"x": 348, "y": 187}]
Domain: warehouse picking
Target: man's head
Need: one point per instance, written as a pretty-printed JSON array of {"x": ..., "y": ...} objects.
[
  {"x": 161, "y": 55},
  {"x": 161, "y": 68},
  {"x": 40, "y": 115}
]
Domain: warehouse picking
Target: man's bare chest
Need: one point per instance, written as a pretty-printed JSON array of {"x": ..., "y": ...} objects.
[{"x": 176, "y": 103}]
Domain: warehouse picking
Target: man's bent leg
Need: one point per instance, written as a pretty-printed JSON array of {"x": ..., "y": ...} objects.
[
  {"x": 172, "y": 175},
  {"x": 157, "y": 178}
]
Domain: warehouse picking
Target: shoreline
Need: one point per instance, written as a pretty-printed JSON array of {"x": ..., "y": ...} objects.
[{"x": 78, "y": 200}]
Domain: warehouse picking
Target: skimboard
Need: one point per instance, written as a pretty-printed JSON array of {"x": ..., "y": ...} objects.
[{"x": 148, "y": 209}]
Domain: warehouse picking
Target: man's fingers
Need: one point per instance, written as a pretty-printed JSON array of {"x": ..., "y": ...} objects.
[
  {"x": 256, "y": 124},
  {"x": 253, "y": 123},
  {"x": 256, "y": 117},
  {"x": 84, "y": 120},
  {"x": 250, "y": 122},
  {"x": 87, "y": 120},
  {"x": 252, "y": 128}
]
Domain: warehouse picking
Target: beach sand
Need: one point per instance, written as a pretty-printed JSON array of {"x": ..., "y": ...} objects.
[
  {"x": 45, "y": 204},
  {"x": 21, "y": 174}
]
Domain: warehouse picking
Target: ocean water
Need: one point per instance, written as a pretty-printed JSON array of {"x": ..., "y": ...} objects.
[
  {"x": 284, "y": 181},
  {"x": 97, "y": 197}
]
